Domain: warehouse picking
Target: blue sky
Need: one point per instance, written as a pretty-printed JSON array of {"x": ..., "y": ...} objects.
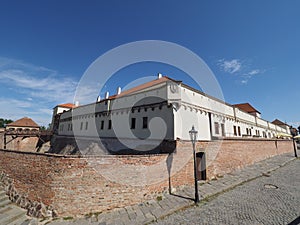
[{"x": 252, "y": 47}]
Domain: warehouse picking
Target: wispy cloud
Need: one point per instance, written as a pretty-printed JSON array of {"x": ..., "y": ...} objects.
[
  {"x": 230, "y": 66},
  {"x": 240, "y": 68},
  {"x": 294, "y": 124},
  {"x": 29, "y": 90},
  {"x": 53, "y": 88}
]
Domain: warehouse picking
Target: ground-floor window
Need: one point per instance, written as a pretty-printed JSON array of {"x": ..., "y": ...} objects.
[
  {"x": 132, "y": 126},
  {"x": 145, "y": 122},
  {"x": 217, "y": 128}
]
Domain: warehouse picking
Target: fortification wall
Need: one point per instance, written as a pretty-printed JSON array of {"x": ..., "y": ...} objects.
[
  {"x": 78, "y": 185},
  {"x": 27, "y": 144},
  {"x": 228, "y": 155}
]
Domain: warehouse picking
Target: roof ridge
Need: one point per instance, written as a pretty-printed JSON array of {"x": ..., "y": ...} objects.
[{"x": 24, "y": 122}]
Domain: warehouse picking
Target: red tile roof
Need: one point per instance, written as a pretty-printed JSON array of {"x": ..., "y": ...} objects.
[
  {"x": 279, "y": 123},
  {"x": 143, "y": 86},
  {"x": 67, "y": 105},
  {"x": 246, "y": 107},
  {"x": 24, "y": 122}
]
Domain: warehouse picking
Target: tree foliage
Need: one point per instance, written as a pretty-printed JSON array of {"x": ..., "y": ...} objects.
[{"x": 3, "y": 122}]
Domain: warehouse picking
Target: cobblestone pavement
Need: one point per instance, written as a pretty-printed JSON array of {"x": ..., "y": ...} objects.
[
  {"x": 271, "y": 199},
  {"x": 251, "y": 203}
]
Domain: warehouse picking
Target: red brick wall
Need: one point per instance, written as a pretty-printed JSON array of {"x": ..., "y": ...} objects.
[
  {"x": 79, "y": 185},
  {"x": 235, "y": 154},
  {"x": 225, "y": 156},
  {"x": 75, "y": 185}
]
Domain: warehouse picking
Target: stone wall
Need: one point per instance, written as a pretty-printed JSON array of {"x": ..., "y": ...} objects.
[
  {"x": 26, "y": 144},
  {"x": 78, "y": 185}
]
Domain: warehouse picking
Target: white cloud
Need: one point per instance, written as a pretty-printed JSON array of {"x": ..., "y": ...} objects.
[
  {"x": 254, "y": 72},
  {"x": 240, "y": 68},
  {"x": 29, "y": 90},
  {"x": 50, "y": 88},
  {"x": 230, "y": 66}
]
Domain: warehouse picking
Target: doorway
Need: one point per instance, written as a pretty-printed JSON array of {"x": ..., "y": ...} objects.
[{"x": 201, "y": 166}]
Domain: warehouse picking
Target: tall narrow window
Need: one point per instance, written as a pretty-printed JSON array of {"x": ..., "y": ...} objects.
[
  {"x": 86, "y": 125},
  {"x": 234, "y": 131},
  {"x": 132, "y": 126},
  {"x": 109, "y": 124},
  {"x": 145, "y": 122},
  {"x": 217, "y": 128},
  {"x": 102, "y": 124},
  {"x": 81, "y": 125},
  {"x": 223, "y": 129},
  {"x": 239, "y": 131}
]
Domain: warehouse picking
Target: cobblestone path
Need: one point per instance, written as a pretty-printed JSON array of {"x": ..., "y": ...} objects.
[{"x": 271, "y": 199}]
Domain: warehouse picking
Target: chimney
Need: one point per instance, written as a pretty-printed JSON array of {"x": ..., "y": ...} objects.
[
  {"x": 106, "y": 95},
  {"x": 119, "y": 90},
  {"x": 98, "y": 99},
  {"x": 76, "y": 103},
  {"x": 159, "y": 75}
]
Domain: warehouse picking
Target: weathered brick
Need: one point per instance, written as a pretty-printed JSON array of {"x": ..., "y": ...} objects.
[{"x": 77, "y": 185}]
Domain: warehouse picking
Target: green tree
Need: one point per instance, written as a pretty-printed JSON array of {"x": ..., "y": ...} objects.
[{"x": 3, "y": 122}]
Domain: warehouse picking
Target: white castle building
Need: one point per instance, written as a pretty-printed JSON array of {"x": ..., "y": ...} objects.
[{"x": 161, "y": 110}]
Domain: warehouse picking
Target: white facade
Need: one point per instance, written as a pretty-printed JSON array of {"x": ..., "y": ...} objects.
[{"x": 163, "y": 110}]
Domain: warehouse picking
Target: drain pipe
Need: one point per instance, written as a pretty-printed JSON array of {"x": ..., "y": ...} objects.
[{"x": 210, "y": 126}]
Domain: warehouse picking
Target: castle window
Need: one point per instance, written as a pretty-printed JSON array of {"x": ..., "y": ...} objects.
[
  {"x": 86, "y": 125},
  {"x": 81, "y": 125},
  {"x": 239, "y": 131},
  {"x": 223, "y": 129},
  {"x": 145, "y": 122},
  {"x": 217, "y": 128},
  {"x": 132, "y": 126},
  {"x": 234, "y": 131},
  {"x": 109, "y": 124},
  {"x": 102, "y": 124}
]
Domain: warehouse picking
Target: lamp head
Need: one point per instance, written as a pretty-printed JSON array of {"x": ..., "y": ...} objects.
[{"x": 193, "y": 134}]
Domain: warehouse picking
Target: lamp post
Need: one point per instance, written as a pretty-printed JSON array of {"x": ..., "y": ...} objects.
[
  {"x": 295, "y": 148},
  {"x": 193, "y": 135}
]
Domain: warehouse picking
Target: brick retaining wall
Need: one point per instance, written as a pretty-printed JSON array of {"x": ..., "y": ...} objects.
[
  {"x": 81, "y": 185},
  {"x": 77, "y": 185},
  {"x": 225, "y": 156}
]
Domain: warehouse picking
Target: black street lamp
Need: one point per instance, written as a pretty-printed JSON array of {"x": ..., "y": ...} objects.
[
  {"x": 193, "y": 135},
  {"x": 295, "y": 147}
]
